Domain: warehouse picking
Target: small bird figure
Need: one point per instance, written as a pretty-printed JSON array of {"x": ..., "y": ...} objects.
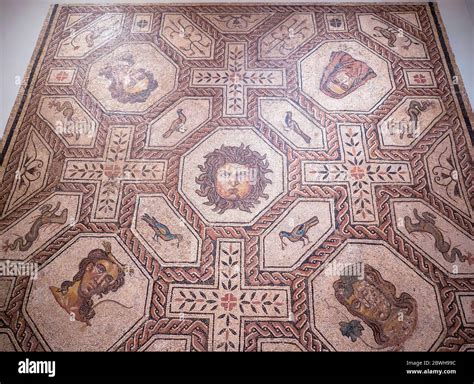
[
  {"x": 299, "y": 233},
  {"x": 177, "y": 124},
  {"x": 292, "y": 125},
  {"x": 161, "y": 231}
]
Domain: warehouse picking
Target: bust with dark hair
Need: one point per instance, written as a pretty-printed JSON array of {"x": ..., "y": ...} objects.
[{"x": 99, "y": 273}]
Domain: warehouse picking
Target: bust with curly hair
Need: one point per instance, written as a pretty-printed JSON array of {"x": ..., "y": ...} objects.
[
  {"x": 99, "y": 273},
  {"x": 233, "y": 178}
]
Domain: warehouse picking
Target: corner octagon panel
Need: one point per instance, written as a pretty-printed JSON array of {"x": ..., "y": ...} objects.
[
  {"x": 131, "y": 78},
  {"x": 345, "y": 76},
  {"x": 292, "y": 238},
  {"x": 88, "y": 296}
]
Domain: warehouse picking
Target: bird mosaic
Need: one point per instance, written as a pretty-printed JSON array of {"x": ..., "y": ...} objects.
[
  {"x": 299, "y": 233},
  {"x": 177, "y": 125},
  {"x": 161, "y": 230}
]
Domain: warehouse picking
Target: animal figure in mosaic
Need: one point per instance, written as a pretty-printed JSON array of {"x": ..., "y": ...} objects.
[
  {"x": 392, "y": 35},
  {"x": 426, "y": 224},
  {"x": 292, "y": 125},
  {"x": 67, "y": 111},
  {"x": 177, "y": 125},
  {"x": 96, "y": 32},
  {"x": 414, "y": 110},
  {"x": 299, "y": 233},
  {"x": 389, "y": 34},
  {"x": 161, "y": 230},
  {"x": 47, "y": 216}
]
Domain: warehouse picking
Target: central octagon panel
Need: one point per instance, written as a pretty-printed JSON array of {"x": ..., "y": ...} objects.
[
  {"x": 345, "y": 76},
  {"x": 232, "y": 176},
  {"x": 131, "y": 78},
  {"x": 89, "y": 296}
]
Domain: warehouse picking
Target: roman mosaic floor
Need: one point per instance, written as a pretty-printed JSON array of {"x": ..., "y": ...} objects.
[{"x": 238, "y": 178}]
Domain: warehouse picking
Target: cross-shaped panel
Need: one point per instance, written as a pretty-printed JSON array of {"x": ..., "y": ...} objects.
[
  {"x": 229, "y": 301},
  {"x": 235, "y": 78},
  {"x": 110, "y": 171},
  {"x": 360, "y": 174}
]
